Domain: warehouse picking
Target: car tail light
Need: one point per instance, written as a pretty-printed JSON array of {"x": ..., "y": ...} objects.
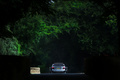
[
  {"x": 63, "y": 67},
  {"x": 52, "y": 67}
]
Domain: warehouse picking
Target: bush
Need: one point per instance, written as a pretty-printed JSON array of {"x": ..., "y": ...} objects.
[{"x": 9, "y": 46}]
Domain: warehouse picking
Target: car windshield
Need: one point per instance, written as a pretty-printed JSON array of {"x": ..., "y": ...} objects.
[{"x": 58, "y": 64}]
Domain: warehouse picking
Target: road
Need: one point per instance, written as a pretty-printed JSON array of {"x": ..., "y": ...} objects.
[{"x": 60, "y": 76}]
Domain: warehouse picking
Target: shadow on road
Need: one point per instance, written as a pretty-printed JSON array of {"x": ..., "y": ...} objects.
[{"x": 60, "y": 76}]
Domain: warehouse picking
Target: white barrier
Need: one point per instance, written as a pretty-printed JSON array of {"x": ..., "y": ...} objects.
[{"x": 34, "y": 70}]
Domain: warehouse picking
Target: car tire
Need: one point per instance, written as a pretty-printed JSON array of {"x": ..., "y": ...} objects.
[{"x": 65, "y": 72}]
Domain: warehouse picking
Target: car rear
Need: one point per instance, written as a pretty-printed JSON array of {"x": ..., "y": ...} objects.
[{"x": 58, "y": 68}]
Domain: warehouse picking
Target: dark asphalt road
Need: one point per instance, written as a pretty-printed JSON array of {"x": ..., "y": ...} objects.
[{"x": 60, "y": 76}]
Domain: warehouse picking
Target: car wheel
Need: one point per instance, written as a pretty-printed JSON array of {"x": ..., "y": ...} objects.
[{"x": 64, "y": 72}]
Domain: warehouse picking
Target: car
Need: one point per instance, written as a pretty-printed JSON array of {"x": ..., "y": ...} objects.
[{"x": 58, "y": 68}]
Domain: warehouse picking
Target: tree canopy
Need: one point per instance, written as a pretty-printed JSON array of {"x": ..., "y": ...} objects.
[
  {"x": 13, "y": 10},
  {"x": 75, "y": 29}
]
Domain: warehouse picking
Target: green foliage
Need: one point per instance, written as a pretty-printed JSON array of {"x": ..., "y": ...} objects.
[
  {"x": 18, "y": 47},
  {"x": 94, "y": 32},
  {"x": 31, "y": 29},
  {"x": 9, "y": 46},
  {"x": 112, "y": 22},
  {"x": 35, "y": 27},
  {"x": 13, "y": 10}
]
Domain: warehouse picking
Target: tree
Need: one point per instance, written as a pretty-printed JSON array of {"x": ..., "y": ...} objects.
[
  {"x": 11, "y": 11},
  {"x": 94, "y": 34},
  {"x": 74, "y": 29},
  {"x": 9, "y": 46},
  {"x": 111, "y": 7}
]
